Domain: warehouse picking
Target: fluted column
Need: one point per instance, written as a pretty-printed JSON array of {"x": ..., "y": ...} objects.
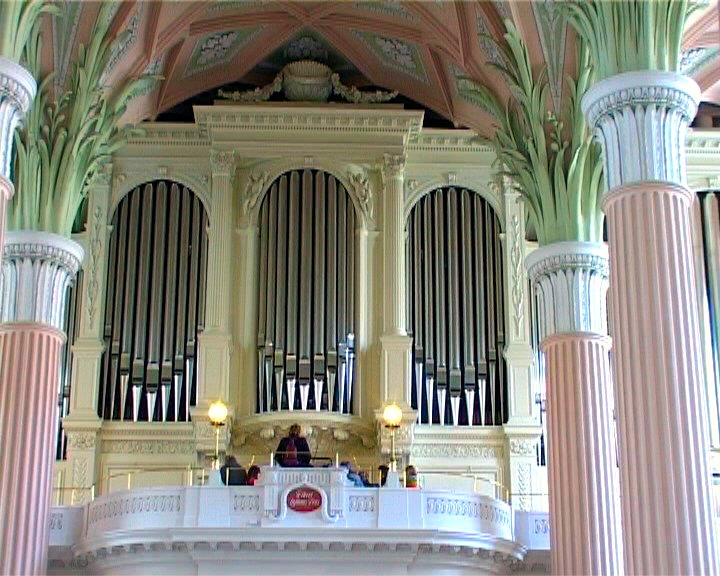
[
  {"x": 641, "y": 120},
  {"x": 216, "y": 340},
  {"x": 37, "y": 271},
  {"x": 395, "y": 343},
  {"x": 17, "y": 91},
  {"x": 571, "y": 280}
]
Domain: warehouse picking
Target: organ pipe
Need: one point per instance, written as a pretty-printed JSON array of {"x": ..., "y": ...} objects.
[
  {"x": 310, "y": 277},
  {"x": 456, "y": 277},
  {"x": 154, "y": 302}
]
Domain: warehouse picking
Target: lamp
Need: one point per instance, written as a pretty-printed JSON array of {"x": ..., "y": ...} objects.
[
  {"x": 392, "y": 415},
  {"x": 217, "y": 413}
]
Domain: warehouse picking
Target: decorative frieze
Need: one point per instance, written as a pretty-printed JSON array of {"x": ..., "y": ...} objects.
[
  {"x": 456, "y": 451},
  {"x": 523, "y": 447},
  {"x": 571, "y": 281},
  {"x": 641, "y": 120},
  {"x": 37, "y": 269},
  {"x": 81, "y": 440},
  {"x": 149, "y": 446}
]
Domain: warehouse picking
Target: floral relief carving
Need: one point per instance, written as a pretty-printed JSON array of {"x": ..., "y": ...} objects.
[
  {"x": 254, "y": 188},
  {"x": 81, "y": 440},
  {"x": 148, "y": 447},
  {"x": 522, "y": 447},
  {"x": 393, "y": 165},
  {"x": 95, "y": 248},
  {"x": 361, "y": 187},
  {"x": 518, "y": 284},
  {"x": 222, "y": 162},
  {"x": 456, "y": 451}
]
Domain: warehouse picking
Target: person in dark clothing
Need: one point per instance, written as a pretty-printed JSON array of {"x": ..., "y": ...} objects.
[
  {"x": 231, "y": 473},
  {"x": 383, "y": 469},
  {"x": 293, "y": 450},
  {"x": 253, "y": 475}
]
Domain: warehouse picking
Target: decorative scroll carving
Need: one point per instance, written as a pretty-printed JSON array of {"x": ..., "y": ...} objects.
[
  {"x": 256, "y": 183},
  {"x": 79, "y": 479},
  {"x": 469, "y": 508},
  {"x": 361, "y": 187}
]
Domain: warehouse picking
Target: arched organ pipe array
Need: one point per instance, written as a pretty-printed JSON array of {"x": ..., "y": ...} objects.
[
  {"x": 455, "y": 310},
  {"x": 155, "y": 304},
  {"x": 306, "y": 312}
]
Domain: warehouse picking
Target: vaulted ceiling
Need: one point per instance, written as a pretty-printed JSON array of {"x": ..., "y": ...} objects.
[{"x": 422, "y": 49}]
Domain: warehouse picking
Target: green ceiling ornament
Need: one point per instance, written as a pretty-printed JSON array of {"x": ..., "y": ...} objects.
[
  {"x": 630, "y": 35},
  {"x": 64, "y": 143},
  {"x": 18, "y": 25},
  {"x": 551, "y": 157}
]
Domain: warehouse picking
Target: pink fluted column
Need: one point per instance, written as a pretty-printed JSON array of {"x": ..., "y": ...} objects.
[
  {"x": 641, "y": 119},
  {"x": 585, "y": 521},
  {"x": 29, "y": 365},
  {"x": 37, "y": 270},
  {"x": 570, "y": 281}
]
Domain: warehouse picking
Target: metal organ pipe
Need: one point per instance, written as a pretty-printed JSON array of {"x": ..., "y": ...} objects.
[
  {"x": 156, "y": 290},
  {"x": 313, "y": 267},
  {"x": 456, "y": 293}
]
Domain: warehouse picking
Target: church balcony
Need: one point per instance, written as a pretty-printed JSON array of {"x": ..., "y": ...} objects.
[{"x": 309, "y": 517}]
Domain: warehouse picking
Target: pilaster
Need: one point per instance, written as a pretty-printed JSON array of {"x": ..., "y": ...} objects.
[{"x": 215, "y": 342}]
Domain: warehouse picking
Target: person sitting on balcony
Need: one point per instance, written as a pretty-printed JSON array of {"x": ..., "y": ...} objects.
[
  {"x": 293, "y": 450},
  {"x": 253, "y": 475},
  {"x": 352, "y": 474},
  {"x": 231, "y": 473}
]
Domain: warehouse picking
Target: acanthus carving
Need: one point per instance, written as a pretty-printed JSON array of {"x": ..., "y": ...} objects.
[
  {"x": 518, "y": 278},
  {"x": 456, "y": 451},
  {"x": 393, "y": 165},
  {"x": 361, "y": 187},
  {"x": 222, "y": 162},
  {"x": 81, "y": 440},
  {"x": 256, "y": 183}
]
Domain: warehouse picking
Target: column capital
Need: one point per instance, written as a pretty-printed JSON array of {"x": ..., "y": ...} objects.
[
  {"x": 393, "y": 165},
  {"x": 571, "y": 280},
  {"x": 641, "y": 121},
  {"x": 222, "y": 162},
  {"x": 17, "y": 92},
  {"x": 37, "y": 269}
]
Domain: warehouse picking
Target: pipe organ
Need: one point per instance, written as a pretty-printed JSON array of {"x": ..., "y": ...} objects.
[
  {"x": 455, "y": 310},
  {"x": 306, "y": 305},
  {"x": 71, "y": 327},
  {"x": 155, "y": 304}
]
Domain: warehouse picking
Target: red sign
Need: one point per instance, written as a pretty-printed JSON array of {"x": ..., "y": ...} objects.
[{"x": 304, "y": 500}]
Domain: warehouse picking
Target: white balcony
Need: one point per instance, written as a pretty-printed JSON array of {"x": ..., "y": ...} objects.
[{"x": 299, "y": 521}]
